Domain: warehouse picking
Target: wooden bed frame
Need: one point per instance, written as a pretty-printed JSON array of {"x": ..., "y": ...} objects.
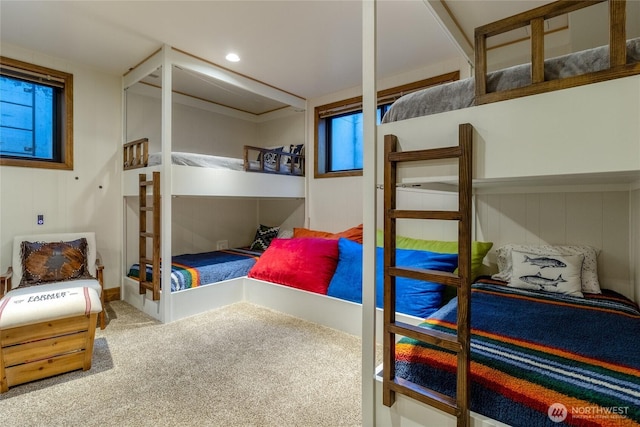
[
  {"x": 535, "y": 18},
  {"x": 136, "y": 155}
]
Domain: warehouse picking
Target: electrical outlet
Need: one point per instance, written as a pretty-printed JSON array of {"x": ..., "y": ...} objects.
[
  {"x": 222, "y": 244},
  {"x": 40, "y": 219}
]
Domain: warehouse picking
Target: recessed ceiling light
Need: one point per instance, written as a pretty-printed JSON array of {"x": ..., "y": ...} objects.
[{"x": 232, "y": 57}]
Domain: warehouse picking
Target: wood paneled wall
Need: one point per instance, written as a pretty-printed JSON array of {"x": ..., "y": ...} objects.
[{"x": 606, "y": 220}]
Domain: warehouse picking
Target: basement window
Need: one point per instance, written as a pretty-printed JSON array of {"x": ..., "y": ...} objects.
[
  {"x": 338, "y": 137},
  {"x": 36, "y": 116}
]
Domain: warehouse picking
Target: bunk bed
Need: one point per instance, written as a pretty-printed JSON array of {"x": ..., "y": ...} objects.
[
  {"x": 155, "y": 185},
  {"x": 577, "y": 131}
]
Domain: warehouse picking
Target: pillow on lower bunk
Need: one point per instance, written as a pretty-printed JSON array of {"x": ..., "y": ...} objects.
[
  {"x": 558, "y": 273},
  {"x": 305, "y": 264},
  {"x": 264, "y": 236},
  {"x": 413, "y": 297},
  {"x": 589, "y": 272},
  {"x": 478, "y": 249},
  {"x": 353, "y": 233}
]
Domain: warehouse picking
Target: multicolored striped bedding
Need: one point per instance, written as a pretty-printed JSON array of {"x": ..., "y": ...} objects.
[
  {"x": 539, "y": 359},
  {"x": 191, "y": 270}
]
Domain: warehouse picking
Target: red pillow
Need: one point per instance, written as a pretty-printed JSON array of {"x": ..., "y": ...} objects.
[
  {"x": 353, "y": 233},
  {"x": 306, "y": 264}
]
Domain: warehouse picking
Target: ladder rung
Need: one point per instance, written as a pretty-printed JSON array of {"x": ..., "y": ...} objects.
[
  {"x": 430, "y": 154},
  {"x": 430, "y": 336},
  {"x": 146, "y": 261},
  {"x": 147, "y": 209},
  {"x": 146, "y": 183},
  {"x": 147, "y": 285},
  {"x": 441, "y": 277},
  {"x": 147, "y": 234},
  {"x": 412, "y": 214},
  {"x": 425, "y": 395}
]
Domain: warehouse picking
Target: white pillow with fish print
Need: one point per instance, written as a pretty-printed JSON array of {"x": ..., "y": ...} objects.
[
  {"x": 549, "y": 273},
  {"x": 590, "y": 281}
]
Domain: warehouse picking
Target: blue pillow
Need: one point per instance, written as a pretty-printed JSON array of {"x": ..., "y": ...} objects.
[
  {"x": 413, "y": 297},
  {"x": 346, "y": 282}
]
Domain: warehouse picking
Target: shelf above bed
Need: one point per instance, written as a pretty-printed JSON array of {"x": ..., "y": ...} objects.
[{"x": 603, "y": 181}]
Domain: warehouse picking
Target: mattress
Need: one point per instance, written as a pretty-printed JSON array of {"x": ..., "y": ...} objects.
[
  {"x": 461, "y": 94},
  {"x": 199, "y": 160},
  {"x": 538, "y": 356},
  {"x": 193, "y": 270}
]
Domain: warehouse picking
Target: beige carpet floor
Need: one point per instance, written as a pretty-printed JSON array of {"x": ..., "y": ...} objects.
[{"x": 241, "y": 365}]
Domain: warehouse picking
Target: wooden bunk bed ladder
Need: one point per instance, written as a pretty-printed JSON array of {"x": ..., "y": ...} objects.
[
  {"x": 460, "y": 344},
  {"x": 152, "y": 233}
]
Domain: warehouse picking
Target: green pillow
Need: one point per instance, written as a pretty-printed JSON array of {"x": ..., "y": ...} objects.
[{"x": 478, "y": 249}]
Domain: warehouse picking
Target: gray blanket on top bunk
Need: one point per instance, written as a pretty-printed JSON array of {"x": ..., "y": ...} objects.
[{"x": 461, "y": 94}]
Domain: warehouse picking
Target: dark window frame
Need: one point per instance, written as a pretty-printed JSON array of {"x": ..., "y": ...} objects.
[
  {"x": 322, "y": 144},
  {"x": 62, "y": 118}
]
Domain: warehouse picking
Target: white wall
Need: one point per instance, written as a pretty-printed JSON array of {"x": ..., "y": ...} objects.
[
  {"x": 335, "y": 204},
  {"x": 86, "y": 198},
  {"x": 194, "y": 130},
  {"x": 199, "y": 223},
  {"x": 596, "y": 218},
  {"x": 202, "y": 127},
  {"x": 634, "y": 236},
  {"x": 282, "y": 131}
]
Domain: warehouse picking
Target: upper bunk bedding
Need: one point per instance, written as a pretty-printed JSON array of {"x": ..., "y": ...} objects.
[
  {"x": 193, "y": 270},
  {"x": 198, "y": 160},
  {"x": 281, "y": 160},
  {"x": 462, "y": 94},
  {"x": 227, "y": 163},
  {"x": 539, "y": 358}
]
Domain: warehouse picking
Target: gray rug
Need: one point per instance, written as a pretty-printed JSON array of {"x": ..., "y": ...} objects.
[{"x": 241, "y": 365}]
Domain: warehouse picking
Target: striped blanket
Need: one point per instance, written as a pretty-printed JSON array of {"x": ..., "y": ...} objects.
[
  {"x": 539, "y": 359},
  {"x": 191, "y": 270}
]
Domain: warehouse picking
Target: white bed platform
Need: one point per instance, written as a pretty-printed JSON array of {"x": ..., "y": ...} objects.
[
  {"x": 332, "y": 312},
  {"x": 198, "y": 181},
  {"x": 407, "y": 412},
  {"x": 590, "y": 135}
]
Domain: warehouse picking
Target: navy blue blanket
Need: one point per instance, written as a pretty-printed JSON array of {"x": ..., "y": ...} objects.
[
  {"x": 191, "y": 270},
  {"x": 539, "y": 359}
]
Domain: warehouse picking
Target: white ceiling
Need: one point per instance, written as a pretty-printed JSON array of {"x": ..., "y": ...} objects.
[{"x": 307, "y": 48}]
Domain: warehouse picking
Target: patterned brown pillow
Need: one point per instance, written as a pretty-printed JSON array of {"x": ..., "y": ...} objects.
[{"x": 44, "y": 262}]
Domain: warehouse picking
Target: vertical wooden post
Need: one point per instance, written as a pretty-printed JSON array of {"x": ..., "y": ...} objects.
[{"x": 537, "y": 50}]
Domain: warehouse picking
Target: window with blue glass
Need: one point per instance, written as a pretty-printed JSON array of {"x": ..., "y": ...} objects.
[
  {"x": 345, "y": 134},
  {"x": 35, "y": 116},
  {"x": 339, "y": 144}
]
